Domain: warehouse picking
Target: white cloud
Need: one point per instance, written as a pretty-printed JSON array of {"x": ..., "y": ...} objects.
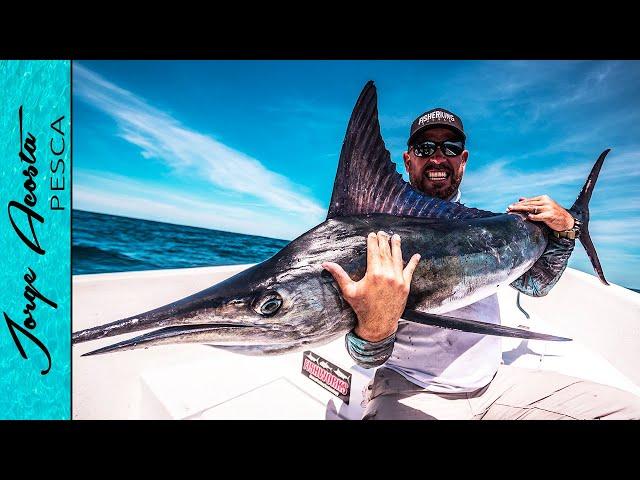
[
  {"x": 615, "y": 231},
  {"x": 116, "y": 194},
  {"x": 539, "y": 90},
  {"x": 189, "y": 152},
  {"x": 499, "y": 183}
]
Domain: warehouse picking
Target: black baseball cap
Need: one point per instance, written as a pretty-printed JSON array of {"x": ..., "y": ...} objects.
[{"x": 437, "y": 117}]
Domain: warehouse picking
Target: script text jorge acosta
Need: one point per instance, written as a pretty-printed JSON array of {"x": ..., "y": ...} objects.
[{"x": 22, "y": 215}]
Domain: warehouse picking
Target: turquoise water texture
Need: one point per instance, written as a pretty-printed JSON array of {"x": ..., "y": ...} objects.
[{"x": 43, "y": 89}]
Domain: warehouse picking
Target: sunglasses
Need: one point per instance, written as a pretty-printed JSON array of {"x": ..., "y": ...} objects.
[{"x": 449, "y": 148}]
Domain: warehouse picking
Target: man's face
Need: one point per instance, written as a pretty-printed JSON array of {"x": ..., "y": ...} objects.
[{"x": 426, "y": 173}]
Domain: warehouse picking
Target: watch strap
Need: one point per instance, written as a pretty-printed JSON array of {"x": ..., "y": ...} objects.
[{"x": 572, "y": 233}]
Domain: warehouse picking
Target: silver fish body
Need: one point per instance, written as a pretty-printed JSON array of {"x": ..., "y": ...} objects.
[{"x": 462, "y": 262}]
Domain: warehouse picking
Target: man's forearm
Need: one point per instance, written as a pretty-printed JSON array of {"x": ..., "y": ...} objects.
[
  {"x": 545, "y": 273},
  {"x": 369, "y": 354}
]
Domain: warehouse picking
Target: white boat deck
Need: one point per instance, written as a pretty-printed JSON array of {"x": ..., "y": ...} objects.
[{"x": 201, "y": 382}]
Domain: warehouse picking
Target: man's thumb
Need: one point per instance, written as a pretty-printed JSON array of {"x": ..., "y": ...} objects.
[{"x": 339, "y": 275}]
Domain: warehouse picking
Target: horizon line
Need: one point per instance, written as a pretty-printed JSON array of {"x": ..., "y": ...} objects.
[{"x": 179, "y": 224}]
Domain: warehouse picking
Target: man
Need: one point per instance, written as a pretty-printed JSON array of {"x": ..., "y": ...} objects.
[{"x": 433, "y": 373}]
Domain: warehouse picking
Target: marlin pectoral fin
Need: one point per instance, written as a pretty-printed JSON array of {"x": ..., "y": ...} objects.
[{"x": 474, "y": 326}]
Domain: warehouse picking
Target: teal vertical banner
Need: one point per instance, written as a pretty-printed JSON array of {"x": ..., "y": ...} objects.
[{"x": 35, "y": 206}]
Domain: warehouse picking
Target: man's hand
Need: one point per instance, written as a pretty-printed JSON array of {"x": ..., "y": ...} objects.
[
  {"x": 544, "y": 209},
  {"x": 380, "y": 296}
]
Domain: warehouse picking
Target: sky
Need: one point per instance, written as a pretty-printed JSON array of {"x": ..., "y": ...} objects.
[{"x": 252, "y": 146}]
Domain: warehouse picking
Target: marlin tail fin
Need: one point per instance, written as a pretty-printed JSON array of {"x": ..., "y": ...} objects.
[{"x": 580, "y": 210}]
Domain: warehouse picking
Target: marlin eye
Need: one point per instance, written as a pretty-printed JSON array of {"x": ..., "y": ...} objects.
[{"x": 271, "y": 305}]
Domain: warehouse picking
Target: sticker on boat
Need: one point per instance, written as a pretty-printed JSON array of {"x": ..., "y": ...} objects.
[{"x": 327, "y": 375}]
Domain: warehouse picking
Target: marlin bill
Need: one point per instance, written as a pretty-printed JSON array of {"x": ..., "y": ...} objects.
[{"x": 289, "y": 302}]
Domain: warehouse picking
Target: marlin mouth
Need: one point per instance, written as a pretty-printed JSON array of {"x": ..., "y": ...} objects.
[{"x": 213, "y": 334}]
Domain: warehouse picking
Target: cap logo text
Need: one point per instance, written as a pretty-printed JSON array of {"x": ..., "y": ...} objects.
[{"x": 436, "y": 115}]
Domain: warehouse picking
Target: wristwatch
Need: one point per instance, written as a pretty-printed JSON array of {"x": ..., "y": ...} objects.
[{"x": 572, "y": 233}]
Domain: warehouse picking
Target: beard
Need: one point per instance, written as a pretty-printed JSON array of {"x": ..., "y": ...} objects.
[{"x": 429, "y": 182}]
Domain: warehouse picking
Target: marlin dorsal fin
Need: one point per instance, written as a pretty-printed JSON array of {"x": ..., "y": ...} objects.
[{"x": 367, "y": 180}]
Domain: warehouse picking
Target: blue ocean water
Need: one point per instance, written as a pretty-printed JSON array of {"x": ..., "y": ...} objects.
[
  {"x": 109, "y": 243},
  {"x": 42, "y": 88}
]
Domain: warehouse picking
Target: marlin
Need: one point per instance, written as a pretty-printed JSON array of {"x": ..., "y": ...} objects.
[{"x": 289, "y": 302}]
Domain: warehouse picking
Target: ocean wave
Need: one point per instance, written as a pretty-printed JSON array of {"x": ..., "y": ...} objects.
[
  {"x": 91, "y": 259},
  {"x": 109, "y": 243}
]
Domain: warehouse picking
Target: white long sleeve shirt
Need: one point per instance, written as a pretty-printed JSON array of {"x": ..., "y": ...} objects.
[{"x": 449, "y": 361}]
